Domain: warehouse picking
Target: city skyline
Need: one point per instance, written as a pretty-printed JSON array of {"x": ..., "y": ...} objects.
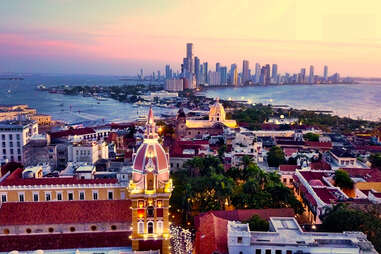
[{"x": 125, "y": 36}]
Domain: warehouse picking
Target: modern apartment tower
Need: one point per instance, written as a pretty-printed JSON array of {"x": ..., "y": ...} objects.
[
  {"x": 325, "y": 73},
  {"x": 311, "y": 79},
  {"x": 245, "y": 71}
]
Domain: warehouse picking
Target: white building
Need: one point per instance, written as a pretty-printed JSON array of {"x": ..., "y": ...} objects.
[
  {"x": 286, "y": 237},
  {"x": 88, "y": 152},
  {"x": 245, "y": 143},
  {"x": 174, "y": 85},
  {"x": 13, "y": 136}
]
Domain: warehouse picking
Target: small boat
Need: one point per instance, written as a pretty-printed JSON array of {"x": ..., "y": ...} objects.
[
  {"x": 99, "y": 98},
  {"x": 9, "y": 91}
]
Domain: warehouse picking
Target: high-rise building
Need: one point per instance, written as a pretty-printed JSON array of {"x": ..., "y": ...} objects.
[
  {"x": 325, "y": 73},
  {"x": 168, "y": 72},
  {"x": 267, "y": 76},
  {"x": 174, "y": 85},
  {"x": 214, "y": 78},
  {"x": 257, "y": 72},
  {"x": 217, "y": 67},
  {"x": 223, "y": 73},
  {"x": 197, "y": 69},
  {"x": 274, "y": 74},
  {"x": 245, "y": 71},
  {"x": 234, "y": 74},
  {"x": 303, "y": 75},
  {"x": 205, "y": 64},
  {"x": 190, "y": 57},
  {"x": 311, "y": 79}
]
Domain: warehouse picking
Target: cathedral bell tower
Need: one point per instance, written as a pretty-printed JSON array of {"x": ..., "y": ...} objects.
[{"x": 149, "y": 191}]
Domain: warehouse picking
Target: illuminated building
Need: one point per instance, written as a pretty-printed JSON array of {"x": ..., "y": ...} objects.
[{"x": 149, "y": 191}]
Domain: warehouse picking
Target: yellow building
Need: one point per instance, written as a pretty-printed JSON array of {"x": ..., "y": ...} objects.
[
  {"x": 149, "y": 192},
  {"x": 42, "y": 119},
  {"x": 15, "y": 188}
]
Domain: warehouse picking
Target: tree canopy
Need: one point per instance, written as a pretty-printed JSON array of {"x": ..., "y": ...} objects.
[
  {"x": 203, "y": 185},
  {"x": 342, "y": 179},
  {"x": 256, "y": 223},
  {"x": 375, "y": 159},
  {"x": 275, "y": 156},
  {"x": 311, "y": 136}
]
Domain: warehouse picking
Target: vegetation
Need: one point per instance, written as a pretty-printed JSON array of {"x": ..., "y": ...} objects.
[
  {"x": 202, "y": 186},
  {"x": 375, "y": 159},
  {"x": 311, "y": 136},
  {"x": 258, "y": 224},
  {"x": 341, "y": 218},
  {"x": 275, "y": 156},
  {"x": 342, "y": 179},
  {"x": 254, "y": 115}
]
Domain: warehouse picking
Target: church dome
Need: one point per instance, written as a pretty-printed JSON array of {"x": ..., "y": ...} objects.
[
  {"x": 151, "y": 156},
  {"x": 217, "y": 112}
]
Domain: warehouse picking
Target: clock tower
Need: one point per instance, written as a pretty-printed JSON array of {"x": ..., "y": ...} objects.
[{"x": 149, "y": 191}]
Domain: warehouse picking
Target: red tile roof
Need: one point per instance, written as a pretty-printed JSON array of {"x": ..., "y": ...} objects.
[
  {"x": 64, "y": 241},
  {"x": 320, "y": 165},
  {"x": 211, "y": 235},
  {"x": 65, "y": 212},
  {"x": 53, "y": 181},
  {"x": 285, "y": 167},
  {"x": 72, "y": 132},
  {"x": 370, "y": 175},
  {"x": 312, "y": 175},
  {"x": 326, "y": 195},
  {"x": 317, "y": 144},
  {"x": 288, "y": 151}
]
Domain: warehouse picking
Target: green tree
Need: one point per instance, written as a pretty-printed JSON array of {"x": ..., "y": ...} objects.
[
  {"x": 311, "y": 136},
  {"x": 256, "y": 223},
  {"x": 275, "y": 156},
  {"x": 342, "y": 179},
  {"x": 375, "y": 159}
]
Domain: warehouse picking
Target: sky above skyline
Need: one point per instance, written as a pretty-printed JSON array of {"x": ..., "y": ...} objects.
[{"x": 122, "y": 36}]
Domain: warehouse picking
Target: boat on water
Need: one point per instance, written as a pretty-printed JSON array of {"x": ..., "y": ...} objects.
[
  {"x": 99, "y": 98},
  {"x": 42, "y": 87}
]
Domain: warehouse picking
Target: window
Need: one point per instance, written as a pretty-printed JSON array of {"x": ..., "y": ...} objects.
[
  {"x": 48, "y": 196},
  {"x": 93, "y": 228},
  {"x": 239, "y": 239},
  {"x": 268, "y": 251},
  {"x": 150, "y": 211},
  {"x": 18, "y": 136},
  {"x": 21, "y": 197},
  {"x": 11, "y": 144},
  {"x": 159, "y": 203},
  {"x": 35, "y": 197},
  {"x": 10, "y": 136},
  {"x": 3, "y": 198},
  {"x": 258, "y": 251},
  {"x": 150, "y": 227},
  {"x": 141, "y": 203},
  {"x": 288, "y": 251},
  {"x": 18, "y": 151},
  {"x": 59, "y": 196},
  {"x": 6, "y": 231},
  {"x": 3, "y": 144},
  {"x": 159, "y": 227},
  {"x": 122, "y": 195},
  {"x": 72, "y": 229},
  {"x": 140, "y": 227},
  {"x": 70, "y": 196},
  {"x": 110, "y": 195},
  {"x": 4, "y": 151},
  {"x": 51, "y": 230},
  {"x": 3, "y": 136},
  {"x": 113, "y": 227},
  {"x": 11, "y": 151},
  {"x": 95, "y": 195},
  {"x": 81, "y": 195},
  {"x": 28, "y": 230},
  {"x": 278, "y": 251},
  {"x": 18, "y": 144}
]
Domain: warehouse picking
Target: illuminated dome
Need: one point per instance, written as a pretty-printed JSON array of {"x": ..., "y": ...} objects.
[
  {"x": 151, "y": 156},
  {"x": 217, "y": 112}
]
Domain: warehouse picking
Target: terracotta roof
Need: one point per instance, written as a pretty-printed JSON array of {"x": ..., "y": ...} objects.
[
  {"x": 326, "y": 195},
  {"x": 65, "y": 212},
  {"x": 284, "y": 167},
  {"x": 211, "y": 235},
  {"x": 72, "y": 132},
  {"x": 312, "y": 175},
  {"x": 53, "y": 181},
  {"x": 320, "y": 165},
  {"x": 317, "y": 144},
  {"x": 370, "y": 175},
  {"x": 64, "y": 241},
  {"x": 288, "y": 151}
]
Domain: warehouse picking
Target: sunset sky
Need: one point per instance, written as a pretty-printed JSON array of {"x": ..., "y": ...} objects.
[{"x": 122, "y": 36}]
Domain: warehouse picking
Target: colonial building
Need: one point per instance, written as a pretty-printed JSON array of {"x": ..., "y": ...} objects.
[
  {"x": 186, "y": 128},
  {"x": 149, "y": 191}
]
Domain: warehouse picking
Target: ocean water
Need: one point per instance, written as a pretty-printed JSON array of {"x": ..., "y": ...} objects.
[
  {"x": 75, "y": 109},
  {"x": 357, "y": 101}
]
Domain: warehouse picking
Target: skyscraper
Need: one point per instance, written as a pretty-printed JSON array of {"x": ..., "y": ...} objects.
[
  {"x": 257, "y": 72},
  {"x": 190, "y": 57},
  {"x": 206, "y": 78},
  {"x": 197, "y": 69},
  {"x": 223, "y": 73},
  {"x": 311, "y": 79},
  {"x": 274, "y": 74},
  {"x": 325, "y": 73},
  {"x": 267, "y": 75},
  {"x": 168, "y": 72},
  {"x": 234, "y": 74},
  {"x": 245, "y": 71},
  {"x": 303, "y": 75},
  {"x": 217, "y": 67}
]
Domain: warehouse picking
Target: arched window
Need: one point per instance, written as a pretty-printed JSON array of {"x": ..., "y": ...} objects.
[
  {"x": 159, "y": 227},
  {"x": 72, "y": 229},
  {"x": 140, "y": 227},
  {"x": 113, "y": 227},
  {"x": 51, "y": 230},
  {"x": 93, "y": 228},
  {"x": 150, "y": 227},
  {"x": 28, "y": 230},
  {"x": 150, "y": 211},
  {"x": 6, "y": 231}
]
